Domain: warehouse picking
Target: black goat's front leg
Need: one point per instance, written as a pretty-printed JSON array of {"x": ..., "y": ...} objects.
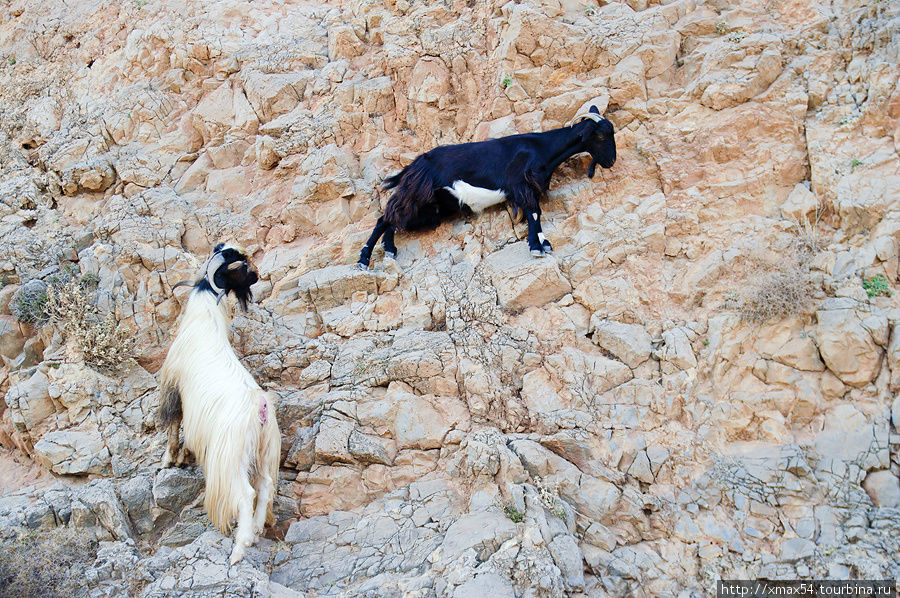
[
  {"x": 366, "y": 253},
  {"x": 537, "y": 243},
  {"x": 390, "y": 250}
]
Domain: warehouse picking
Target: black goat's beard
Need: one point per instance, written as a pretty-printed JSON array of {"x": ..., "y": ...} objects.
[{"x": 592, "y": 168}]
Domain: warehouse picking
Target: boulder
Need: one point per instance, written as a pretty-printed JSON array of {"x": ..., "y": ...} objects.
[
  {"x": 484, "y": 531},
  {"x": 628, "y": 342},
  {"x": 847, "y": 347},
  {"x": 522, "y": 280},
  {"x": 73, "y": 452},
  {"x": 800, "y": 203},
  {"x": 884, "y": 488}
]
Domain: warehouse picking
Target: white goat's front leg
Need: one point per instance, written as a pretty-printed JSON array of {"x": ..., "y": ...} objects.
[
  {"x": 243, "y": 537},
  {"x": 265, "y": 492}
]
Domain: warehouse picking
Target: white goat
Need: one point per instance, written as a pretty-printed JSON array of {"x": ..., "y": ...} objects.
[{"x": 229, "y": 421}]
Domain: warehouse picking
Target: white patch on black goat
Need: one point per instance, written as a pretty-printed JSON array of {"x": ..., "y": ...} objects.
[{"x": 476, "y": 198}]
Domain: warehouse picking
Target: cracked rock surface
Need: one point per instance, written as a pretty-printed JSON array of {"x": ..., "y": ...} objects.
[{"x": 699, "y": 384}]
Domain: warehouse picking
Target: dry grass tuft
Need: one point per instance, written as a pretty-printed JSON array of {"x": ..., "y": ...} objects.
[
  {"x": 45, "y": 563},
  {"x": 103, "y": 344},
  {"x": 779, "y": 295},
  {"x": 786, "y": 292}
]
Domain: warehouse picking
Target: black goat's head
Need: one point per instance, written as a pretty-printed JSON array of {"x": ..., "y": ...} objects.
[
  {"x": 599, "y": 140},
  {"x": 229, "y": 270}
]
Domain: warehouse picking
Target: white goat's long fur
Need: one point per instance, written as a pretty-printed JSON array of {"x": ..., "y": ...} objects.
[{"x": 229, "y": 421}]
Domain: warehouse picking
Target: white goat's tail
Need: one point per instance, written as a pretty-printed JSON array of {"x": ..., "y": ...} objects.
[{"x": 234, "y": 461}]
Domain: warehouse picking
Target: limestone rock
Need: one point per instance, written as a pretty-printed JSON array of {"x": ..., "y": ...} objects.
[
  {"x": 522, "y": 280},
  {"x": 799, "y": 204},
  {"x": 486, "y": 584},
  {"x": 483, "y": 531},
  {"x": 847, "y": 347},
  {"x": 332, "y": 285},
  {"x": 175, "y": 488},
  {"x": 567, "y": 557},
  {"x": 628, "y": 342},
  {"x": 73, "y": 452},
  {"x": 29, "y": 401},
  {"x": 884, "y": 488},
  {"x": 272, "y": 95}
]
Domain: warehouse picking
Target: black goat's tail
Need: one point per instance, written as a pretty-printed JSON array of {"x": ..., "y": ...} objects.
[
  {"x": 414, "y": 193},
  {"x": 393, "y": 181}
]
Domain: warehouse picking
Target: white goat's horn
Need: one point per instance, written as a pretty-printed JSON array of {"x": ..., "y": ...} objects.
[{"x": 209, "y": 272}]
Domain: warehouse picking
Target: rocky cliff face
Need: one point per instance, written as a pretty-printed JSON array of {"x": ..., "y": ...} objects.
[{"x": 699, "y": 384}]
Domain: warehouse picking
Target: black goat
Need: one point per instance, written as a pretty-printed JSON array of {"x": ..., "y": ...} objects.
[{"x": 444, "y": 181}]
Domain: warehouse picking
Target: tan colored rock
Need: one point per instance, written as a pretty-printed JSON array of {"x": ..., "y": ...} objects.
[
  {"x": 344, "y": 43},
  {"x": 430, "y": 82},
  {"x": 29, "y": 401},
  {"x": 628, "y": 342},
  {"x": 522, "y": 280},
  {"x": 627, "y": 81},
  {"x": 273, "y": 94},
  {"x": 800, "y": 204},
  {"x": 331, "y": 286},
  {"x": 883, "y": 488},
  {"x": 333, "y": 440},
  {"x": 847, "y": 347}
]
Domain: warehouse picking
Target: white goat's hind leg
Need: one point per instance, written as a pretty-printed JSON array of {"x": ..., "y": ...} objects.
[
  {"x": 243, "y": 537},
  {"x": 173, "y": 455},
  {"x": 265, "y": 491}
]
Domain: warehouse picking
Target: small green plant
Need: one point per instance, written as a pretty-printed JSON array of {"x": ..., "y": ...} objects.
[
  {"x": 140, "y": 3},
  {"x": 722, "y": 28},
  {"x": 514, "y": 514},
  {"x": 855, "y": 162},
  {"x": 877, "y": 286},
  {"x": 590, "y": 10},
  {"x": 736, "y": 36},
  {"x": 29, "y": 302},
  {"x": 507, "y": 81},
  {"x": 12, "y": 61}
]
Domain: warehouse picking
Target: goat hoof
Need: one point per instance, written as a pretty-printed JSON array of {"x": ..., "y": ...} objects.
[
  {"x": 237, "y": 554},
  {"x": 391, "y": 254},
  {"x": 362, "y": 266},
  {"x": 537, "y": 253}
]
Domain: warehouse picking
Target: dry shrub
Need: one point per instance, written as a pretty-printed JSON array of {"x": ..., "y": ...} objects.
[
  {"x": 46, "y": 563},
  {"x": 778, "y": 295},
  {"x": 103, "y": 344}
]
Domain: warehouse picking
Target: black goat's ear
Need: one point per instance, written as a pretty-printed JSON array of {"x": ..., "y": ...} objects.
[{"x": 594, "y": 110}]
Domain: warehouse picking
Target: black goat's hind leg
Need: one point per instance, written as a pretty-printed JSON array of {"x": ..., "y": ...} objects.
[
  {"x": 390, "y": 250},
  {"x": 366, "y": 253}
]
